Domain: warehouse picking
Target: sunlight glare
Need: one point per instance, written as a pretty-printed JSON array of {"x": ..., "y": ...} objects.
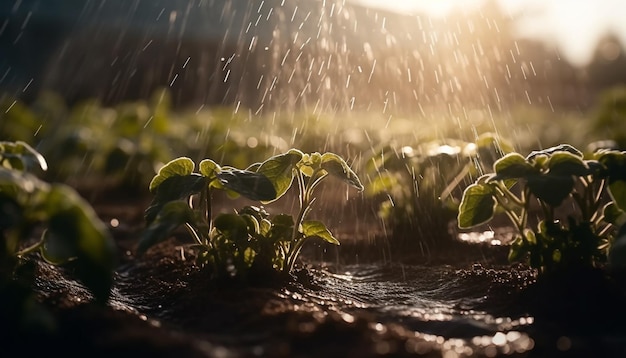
[{"x": 435, "y": 8}]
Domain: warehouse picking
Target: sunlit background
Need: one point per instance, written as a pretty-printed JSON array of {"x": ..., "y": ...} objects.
[
  {"x": 575, "y": 27},
  {"x": 471, "y": 65},
  {"x": 117, "y": 50}
]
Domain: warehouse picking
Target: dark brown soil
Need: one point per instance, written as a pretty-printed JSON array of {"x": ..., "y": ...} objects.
[{"x": 162, "y": 305}]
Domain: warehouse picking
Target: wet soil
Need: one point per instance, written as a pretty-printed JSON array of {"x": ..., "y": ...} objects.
[{"x": 461, "y": 300}]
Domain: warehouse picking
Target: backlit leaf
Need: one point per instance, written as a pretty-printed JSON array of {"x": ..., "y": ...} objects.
[
  {"x": 565, "y": 163},
  {"x": 512, "y": 166},
  {"x": 477, "y": 206},
  {"x": 172, "y": 189},
  {"x": 254, "y": 186},
  {"x": 550, "y": 151},
  {"x": 312, "y": 228},
  {"x": 615, "y": 164},
  {"x": 612, "y": 214},
  {"x": 337, "y": 167},
  {"x": 209, "y": 168},
  {"x": 279, "y": 170},
  {"x": 178, "y": 167},
  {"x": 21, "y": 156},
  {"x": 617, "y": 190}
]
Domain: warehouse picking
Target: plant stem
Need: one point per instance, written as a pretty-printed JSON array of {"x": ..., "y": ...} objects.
[
  {"x": 205, "y": 206},
  {"x": 455, "y": 182},
  {"x": 508, "y": 194},
  {"x": 302, "y": 198},
  {"x": 510, "y": 212},
  {"x": 31, "y": 248},
  {"x": 194, "y": 233},
  {"x": 306, "y": 200}
]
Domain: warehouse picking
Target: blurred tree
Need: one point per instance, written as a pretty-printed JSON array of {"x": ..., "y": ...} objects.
[{"x": 608, "y": 66}]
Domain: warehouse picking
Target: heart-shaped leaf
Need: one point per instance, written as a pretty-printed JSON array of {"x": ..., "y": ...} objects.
[
  {"x": 279, "y": 170},
  {"x": 312, "y": 228},
  {"x": 182, "y": 166},
  {"x": 337, "y": 167},
  {"x": 209, "y": 168},
  {"x": 512, "y": 166},
  {"x": 565, "y": 163},
  {"x": 172, "y": 189},
  {"x": 477, "y": 206}
]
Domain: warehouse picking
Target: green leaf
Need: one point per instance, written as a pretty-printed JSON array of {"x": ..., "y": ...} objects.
[
  {"x": 518, "y": 249},
  {"x": 209, "y": 168},
  {"x": 613, "y": 215},
  {"x": 312, "y": 228},
  {"x": 565, "y": 163},
  {"x": 57, "y": 250},
  {"x": 172, "y": 189},
  {"x": 513, "y": 166},
  {"x": 552, "y": 189},
  {"x": 309, "y": 163},
  {"x": 279, "y": 170},
  {"x": 477, "y": 206},
  {"x": 254, "y": 186},
  {"x": 617, "y": 190},
  {"x": 248, "y": 256},
  {"x": 21, "y": 156},
  {"x": 254, "y": 227},
  {"x": 490, "y": 147},
  {"x": 264, "y": 227},
  {"x": 381, "y": 184},
  {"x": 282, "y": 227},
  {"x": 182, "y": 166},
  {"x": 615, "y": 164},
  {"x": 336, "y": 166},
  {"x": 74, "y": 227},
  {"x": 172, "y": 215},
  {"x": 232, "y": 226},
  {"x": 550, "y": 151}
]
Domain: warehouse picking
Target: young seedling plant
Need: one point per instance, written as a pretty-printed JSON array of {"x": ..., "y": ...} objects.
[
  {"x": 72, "y": 232},
  {"x": 596, "y": 186},
  {"x": 249, "y": 239}
]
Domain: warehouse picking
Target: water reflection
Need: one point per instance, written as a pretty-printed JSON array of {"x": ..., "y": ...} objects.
[{"x": 432, "y": 304}]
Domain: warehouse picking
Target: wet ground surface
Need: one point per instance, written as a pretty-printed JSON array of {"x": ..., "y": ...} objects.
[
  {"x": 363, "y": 310},
  {"x": 462, "y": 302}
]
